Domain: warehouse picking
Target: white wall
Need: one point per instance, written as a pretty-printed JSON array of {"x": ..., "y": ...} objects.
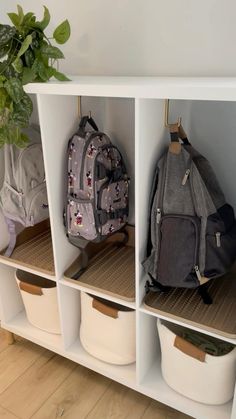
[{"x": 143, "y": 37}]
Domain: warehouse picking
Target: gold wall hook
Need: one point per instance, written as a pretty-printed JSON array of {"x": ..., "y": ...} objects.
[
  {"x": 80, "y": 107},
  {"x": 167, "y": 110}
]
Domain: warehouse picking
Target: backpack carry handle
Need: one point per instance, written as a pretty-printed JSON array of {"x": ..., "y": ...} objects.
[
  {"x": 87, "y": 120},
  {"x": 177, "y": 133}
]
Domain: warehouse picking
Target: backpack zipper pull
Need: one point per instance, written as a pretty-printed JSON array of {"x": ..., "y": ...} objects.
[
  {"x": 158, "y": 215},
  {"x": 186, "y": 175},
  {"x": 218, "y": 241},
  {"x": 20, "y": 199},
  {"x": 199, "y": 277}
]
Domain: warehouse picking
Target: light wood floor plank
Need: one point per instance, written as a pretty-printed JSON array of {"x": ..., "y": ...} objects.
[
  {"x": 120, "y": 402},
  {"x": 15, "y": 360},
  {"x": 75, "y": 397},
  {"x": 26, "y": 395},
  {"x": 158, "y": 410},
  {"x": 4, "y": 414},
  {"x": 38, "y": 384}
]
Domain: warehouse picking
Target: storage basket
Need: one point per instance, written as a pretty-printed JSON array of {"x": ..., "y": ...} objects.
[
  {"x": 107, "y": 330},
  {"x": 40, "y": 300},
  {"x": 193, "y": 372}
]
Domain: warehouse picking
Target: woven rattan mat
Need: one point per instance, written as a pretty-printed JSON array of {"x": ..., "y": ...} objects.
[
  {"x": 112, "y": 271},
  {"x": 35, "y": 253},
  {"x": 186, "y": 305}
]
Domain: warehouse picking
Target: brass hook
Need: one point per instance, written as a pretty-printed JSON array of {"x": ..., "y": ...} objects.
[
  {"x": 167, "y": 109},
  {"x": 80, "y": 107}
]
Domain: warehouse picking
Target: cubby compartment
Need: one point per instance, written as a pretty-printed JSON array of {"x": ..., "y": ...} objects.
[
  {"x": 70, "y": 301},
  {"x": 110, "y": 271},
  {"x": 197, "y": 366},
  {"x": 113, "y": 116},
  {"x": 211, "y": 130},
  {"x": 33, "y": 249},
  {"x": 13, "y": 313},
  {"x": 153, "y": 383}
]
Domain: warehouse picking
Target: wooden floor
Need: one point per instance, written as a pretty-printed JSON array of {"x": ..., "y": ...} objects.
[{"x": 36, "y": 383}]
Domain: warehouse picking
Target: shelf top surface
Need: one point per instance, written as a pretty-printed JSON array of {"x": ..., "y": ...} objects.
[{"x": 196, "y": 88}]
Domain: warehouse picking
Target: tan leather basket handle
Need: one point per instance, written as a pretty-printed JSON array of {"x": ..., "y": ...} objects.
[
  {"x": 104, "y": 309},
  {"x": 30, "y": 288},
  {"x": 189, "y": 349}
]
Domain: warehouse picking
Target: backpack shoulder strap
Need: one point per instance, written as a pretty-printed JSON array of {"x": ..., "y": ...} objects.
[{"x": 12, "y": 233}]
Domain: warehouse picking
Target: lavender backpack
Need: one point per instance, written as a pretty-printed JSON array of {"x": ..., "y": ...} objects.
[
  {"x": 23, "y": 197},
  {"x": 97, "y": 188}
]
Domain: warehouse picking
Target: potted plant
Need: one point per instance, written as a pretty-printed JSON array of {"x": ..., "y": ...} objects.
[{"x": 26, "y": 55}]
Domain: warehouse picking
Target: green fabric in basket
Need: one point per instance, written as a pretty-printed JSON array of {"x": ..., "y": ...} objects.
[{"x": 207, "y": 344}]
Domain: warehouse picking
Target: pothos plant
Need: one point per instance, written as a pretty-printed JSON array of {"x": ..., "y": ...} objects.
[{"x": 26, "y": 55}]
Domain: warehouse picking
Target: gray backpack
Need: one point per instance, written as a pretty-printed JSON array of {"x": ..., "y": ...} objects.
[
  {"x": 97, "y": 189},
  {"x": 23, "y": 197},
  {"x": 192, "y": 228}
]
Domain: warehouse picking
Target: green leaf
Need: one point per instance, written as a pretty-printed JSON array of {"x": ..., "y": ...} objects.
[
  {"x": 46, "y": 19},
  {"x": 29, "y": 58},
  {"x": 51, "y": 52},
  {"x": 19, "y": 118},
  {"x": 14, "y": 18},
  {"x": 25, "y": 45},
  {"x": 4, "y": 51},
  {"x": 3, "y": 97},
  {"x": 62, "y": 32},
  {"x": 18, "y": 65},
  {"x": 22, "y": 140},
  {"x": 28, "y": 75},
  {"x": 6, "y": 34},
  {"x": 50, "y": 72},
  {"x": 43, "y": 73},
  {"x": 25, "y": 105},
  {"x": 41, "y": 70},
  {"x": 60, "y": 76},
  {"x": 28, "y": 19},
  {"x": 20, "y": 13},
  {"x": 14, "y": 89},
  {"x": 10, "y": 72}
]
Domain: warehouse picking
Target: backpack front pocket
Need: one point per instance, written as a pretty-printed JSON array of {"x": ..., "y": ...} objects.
[
  {"x": 37, "y": 205},
  {"x": 80, "y": 219},
  {"x": 178, "y": 251},
  {"x": 113, "y": 196},
  {"x": 12, "y": 203}
]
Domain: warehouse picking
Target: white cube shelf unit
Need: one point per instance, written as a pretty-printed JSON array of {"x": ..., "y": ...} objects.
[{"x": 131, "y": 110}]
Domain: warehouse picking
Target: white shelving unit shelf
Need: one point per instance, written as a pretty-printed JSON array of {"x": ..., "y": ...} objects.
[{"x": 131, "y": 110}]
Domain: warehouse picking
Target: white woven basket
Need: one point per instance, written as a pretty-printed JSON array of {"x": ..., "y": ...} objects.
[
  {"x": 40, "y": 300},
  {"x": 107, "y": 331},
  {"x": 210, "y": 380}
]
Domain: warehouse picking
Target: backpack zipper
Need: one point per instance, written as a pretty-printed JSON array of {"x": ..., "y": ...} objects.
[
  {"x": 92, "y": 135},
  {"x": 158, "y": 215},
  {"x": 218, "y": 240},
  {"x": 185, "y": 178},
  {"x": 199, "y": 277}
]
